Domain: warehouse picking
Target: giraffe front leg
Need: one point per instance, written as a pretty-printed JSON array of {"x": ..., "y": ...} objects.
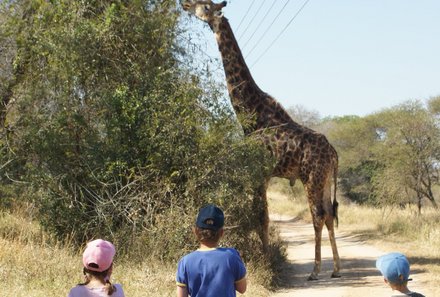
[
  {"x": 260, "y": 202},
  {"x": 265, "y": 223}
]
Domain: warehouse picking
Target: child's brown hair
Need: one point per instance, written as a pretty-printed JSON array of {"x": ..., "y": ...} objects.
[
  {"x": 103, "y": 276},
  {"x": 207, "y": 235}
]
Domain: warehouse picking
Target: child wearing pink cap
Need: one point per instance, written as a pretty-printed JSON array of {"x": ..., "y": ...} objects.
[{"x": 98, "y": 265}]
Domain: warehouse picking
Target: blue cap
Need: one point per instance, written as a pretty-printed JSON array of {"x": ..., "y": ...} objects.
[
  {"x": 394, "y": 267},
  {"x": 210, "y": 217}
]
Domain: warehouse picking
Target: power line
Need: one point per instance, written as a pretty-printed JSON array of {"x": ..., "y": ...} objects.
[
  {"x": 267, "y": 30},
  {"x": 247, "y": 12},
  {"x": 259, "y": 25},
  {"x": 253, "y": 18},
  {"x": 282, "y": 31}
]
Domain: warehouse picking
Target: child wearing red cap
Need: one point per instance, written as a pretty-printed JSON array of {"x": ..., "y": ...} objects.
[
  {"x": 98, "y": 264},
  {"x": 210, "y": 271},
  {"x": 395, "y": 270}
]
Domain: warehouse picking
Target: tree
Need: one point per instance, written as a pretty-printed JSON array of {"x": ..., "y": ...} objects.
[
  {"x": 434, "y": 106},
  {"x": 354, "y": 137},
  {"x": 390, "y": 157},
  {"x": 409, "y": 149},
  {"x": 308, "y": 118}
]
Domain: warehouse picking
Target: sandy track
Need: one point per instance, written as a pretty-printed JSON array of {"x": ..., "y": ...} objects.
[{"x": 359, "y": 275}]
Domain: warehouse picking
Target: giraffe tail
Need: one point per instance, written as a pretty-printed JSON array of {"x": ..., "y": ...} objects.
[{"x": 335, "y": 182}]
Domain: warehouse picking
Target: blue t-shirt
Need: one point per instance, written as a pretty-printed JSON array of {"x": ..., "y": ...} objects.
[{"x": 211, "y": 272}]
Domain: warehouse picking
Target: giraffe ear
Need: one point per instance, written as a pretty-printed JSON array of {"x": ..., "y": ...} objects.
[
  {"x": 218, "y": 9},
  {"x": 186, "y": 4}
]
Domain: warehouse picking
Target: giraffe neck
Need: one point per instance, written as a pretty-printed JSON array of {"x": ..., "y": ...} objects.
[
  {"x": 246, "y": 96},
  {"x": 241, "y": 86}
]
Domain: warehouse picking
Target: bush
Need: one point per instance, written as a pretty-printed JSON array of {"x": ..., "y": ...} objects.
[{"x": 116, "y": 138}]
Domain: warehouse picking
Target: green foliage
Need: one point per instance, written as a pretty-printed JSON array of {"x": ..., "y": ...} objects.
[
  {"x": 390, "y": 157},
  {"x": 353, "y": 138},
  {"x": 356, "y": 181},
  {"x": 111, "y": 136},
  {"x": 409, "y": 151},
  {"x": 308, "y": 118},
  {"x": 434, "y": 106}
]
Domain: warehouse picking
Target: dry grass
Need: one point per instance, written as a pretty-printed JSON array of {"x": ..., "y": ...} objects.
[
  {"x": 395, "y": 226},
  {"x": 293, "y": 207},
  {"x": 32, "y": 267},
  {"x": 287, "y": 201},
  {"x": 393, "y": 229}
]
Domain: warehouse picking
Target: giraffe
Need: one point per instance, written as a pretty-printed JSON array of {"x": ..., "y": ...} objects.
[{"x": 299, "y": 152}]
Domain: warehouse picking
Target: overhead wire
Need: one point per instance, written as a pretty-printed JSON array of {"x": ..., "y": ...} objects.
[
  {"x": 252, "y": 19},
  {"x": 259, "y": 25},
  {"x": 244, "y": 17},
  {"x": 282, "y": 31},
  {"x": 268, "y": 28}
]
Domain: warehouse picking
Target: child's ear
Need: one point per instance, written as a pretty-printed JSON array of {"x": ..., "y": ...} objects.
[{"x": 221, "y": 231}]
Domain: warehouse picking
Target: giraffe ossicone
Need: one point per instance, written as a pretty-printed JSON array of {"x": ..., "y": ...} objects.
[{"x": 300, "y": 152}]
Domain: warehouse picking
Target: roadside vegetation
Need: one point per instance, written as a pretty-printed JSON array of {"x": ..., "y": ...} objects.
[
  {"x": 110, "y": 128},
  {"x": 114, "y": 124},
  {"x": 33, "y": 263}
]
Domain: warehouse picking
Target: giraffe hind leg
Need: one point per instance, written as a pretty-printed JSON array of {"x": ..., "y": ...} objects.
[{"x": 331, "y": 234}]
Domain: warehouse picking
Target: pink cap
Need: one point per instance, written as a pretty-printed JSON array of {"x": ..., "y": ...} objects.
[{"x": 98, "y": 255}]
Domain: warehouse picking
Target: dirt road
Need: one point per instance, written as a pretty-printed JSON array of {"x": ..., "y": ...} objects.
[{"x": 359, "y": 275}]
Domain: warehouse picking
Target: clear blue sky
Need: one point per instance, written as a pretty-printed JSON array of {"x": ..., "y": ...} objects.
[{"x": 340, "y": 57}]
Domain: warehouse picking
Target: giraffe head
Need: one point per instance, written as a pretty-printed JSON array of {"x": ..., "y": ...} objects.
[{"x": 206, "y": 10}]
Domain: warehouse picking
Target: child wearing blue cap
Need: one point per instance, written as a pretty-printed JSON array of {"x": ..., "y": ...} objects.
[
  {"x": 210, "y": 271},
  {"x": 395, "y": 270}
]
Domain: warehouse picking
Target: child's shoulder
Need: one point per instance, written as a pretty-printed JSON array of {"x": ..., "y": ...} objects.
[
  {"x": 229, "y": 250},
  {"x": 81, "y": 290},
  {"x": 223, "y": 251},
  {"x": 119, "y": 291},
  {"x": 78, "y": 290}
]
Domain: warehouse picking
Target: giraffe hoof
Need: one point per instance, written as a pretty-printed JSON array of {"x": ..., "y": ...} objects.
[
  {"x": 312, "y": 277},
  {"x": 336, "y": 275}
]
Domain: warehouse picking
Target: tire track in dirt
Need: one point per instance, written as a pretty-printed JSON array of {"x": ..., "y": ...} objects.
[{"x": 359, "y": 274}]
